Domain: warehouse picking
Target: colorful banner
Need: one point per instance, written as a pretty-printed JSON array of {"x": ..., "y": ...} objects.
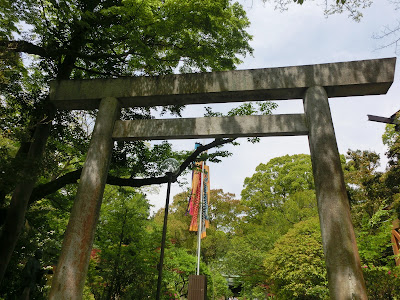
[
  {"x": 194, "y": 200},
  {"x": 206, "y": 201}
]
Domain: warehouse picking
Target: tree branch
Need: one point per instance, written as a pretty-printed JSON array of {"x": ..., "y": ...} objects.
[
  {"x": 192, "y": 157},
  {"x": 45, "y": 189},
  {"x": 42, "y": 190},
  {"x": 24, "y": 46}
]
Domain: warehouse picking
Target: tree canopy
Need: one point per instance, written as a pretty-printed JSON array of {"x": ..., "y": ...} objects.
[
  {"x": 55, "y": 40},
  {"x": 133, "y": 37}
]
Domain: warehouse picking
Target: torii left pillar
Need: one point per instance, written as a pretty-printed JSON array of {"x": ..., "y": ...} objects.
[{"x": 73, "y": 263}]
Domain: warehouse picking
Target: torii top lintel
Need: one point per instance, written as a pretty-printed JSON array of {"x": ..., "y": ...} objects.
[{"x": 355, "y": 78}]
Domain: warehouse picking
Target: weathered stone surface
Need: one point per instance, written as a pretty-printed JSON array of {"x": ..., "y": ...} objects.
[
  {"x": 70, "y": 276},
  {"x": 356, "y": 78},
  {"x": 215, "y": 127},
  {"x": 345, "y": 277}
]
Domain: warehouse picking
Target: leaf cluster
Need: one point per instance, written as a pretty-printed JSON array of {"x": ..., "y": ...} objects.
[
  {"x": 296, "y": 264},
  {"x": 134, "y": 36},
  {"x": 273, "y": 183}
]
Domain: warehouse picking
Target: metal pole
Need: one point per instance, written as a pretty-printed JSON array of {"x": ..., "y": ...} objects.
[
  {"x": 164, "y": 233},
  {"x": 200, "y": 221}
]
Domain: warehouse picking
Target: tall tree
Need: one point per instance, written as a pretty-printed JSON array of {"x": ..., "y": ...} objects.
[
  {"x": 87, "y": 39},
  {"x": 365, "y": 184},
  {"x": 278, "y": 195},
  {"x": 273, "y": 183},
  {"x": 224, "y": 211},
  {"x": 295, "y": 266},
  {"x": 391, "y": 138},
  {"x": 125, "y": 250}
]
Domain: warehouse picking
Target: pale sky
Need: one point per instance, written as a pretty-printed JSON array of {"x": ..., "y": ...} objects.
[{"x": 302, "y": 36}]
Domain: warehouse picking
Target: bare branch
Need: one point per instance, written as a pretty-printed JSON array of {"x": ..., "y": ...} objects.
[{"x": 389, "y": 33}]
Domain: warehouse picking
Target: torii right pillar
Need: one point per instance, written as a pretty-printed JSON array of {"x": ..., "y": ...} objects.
[{"x": 345, "y": 278}]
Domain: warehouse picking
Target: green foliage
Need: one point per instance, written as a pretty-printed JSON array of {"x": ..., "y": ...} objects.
[
  {"x": 364, "y": 182},
  {"x": 273, "y": 183},
  {"x": 178, "y": 223},
  {"x": 225, "y": 211},
  {"x": 225, "y": 215},
  {"x": 391, "y": 138},
  {"x": 382, "y": 282},
  {"x": 8, "y": 20},
  {"x": 44, "y": 229},
  {"x": 244, "y": 258},
  {"x": 250, "y": 108},
  {"x": 136, "y": 37},
  {"x": 219, "y": 287},
  {"x": 125, "y": 254},
  {"x": 89, "y": 39},
  {"x": 246, "y": 109},
  {"x": 373, "y": 239},
  {"x": 8, "y": 150},
  {"x": 370, "y": 199},
  {"x": 279, "y": 195},
  {"x": 295, "y": 266},
  {"x": 275, "y": 251},
  {"x": 179, "y": 265}
]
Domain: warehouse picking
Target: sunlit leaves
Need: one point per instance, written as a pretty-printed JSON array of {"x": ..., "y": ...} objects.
[
  {"x": 296, "y": 265},
  {"x": 126, "y": 250},
  {"x": 272, "y": 183},
  {"x": 138, "y": 37}
]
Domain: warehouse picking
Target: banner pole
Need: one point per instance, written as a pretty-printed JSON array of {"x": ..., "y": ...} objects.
[{"x": 200, "y": 215}]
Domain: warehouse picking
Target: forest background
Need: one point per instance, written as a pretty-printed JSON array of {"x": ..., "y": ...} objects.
[{"x": 269, "y": 239}]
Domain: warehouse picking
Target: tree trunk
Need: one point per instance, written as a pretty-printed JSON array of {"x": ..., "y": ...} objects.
[{"x": 19, "y": 202}]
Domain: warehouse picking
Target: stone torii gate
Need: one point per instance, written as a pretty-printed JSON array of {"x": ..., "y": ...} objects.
[{"x": 313, "y": 83}]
